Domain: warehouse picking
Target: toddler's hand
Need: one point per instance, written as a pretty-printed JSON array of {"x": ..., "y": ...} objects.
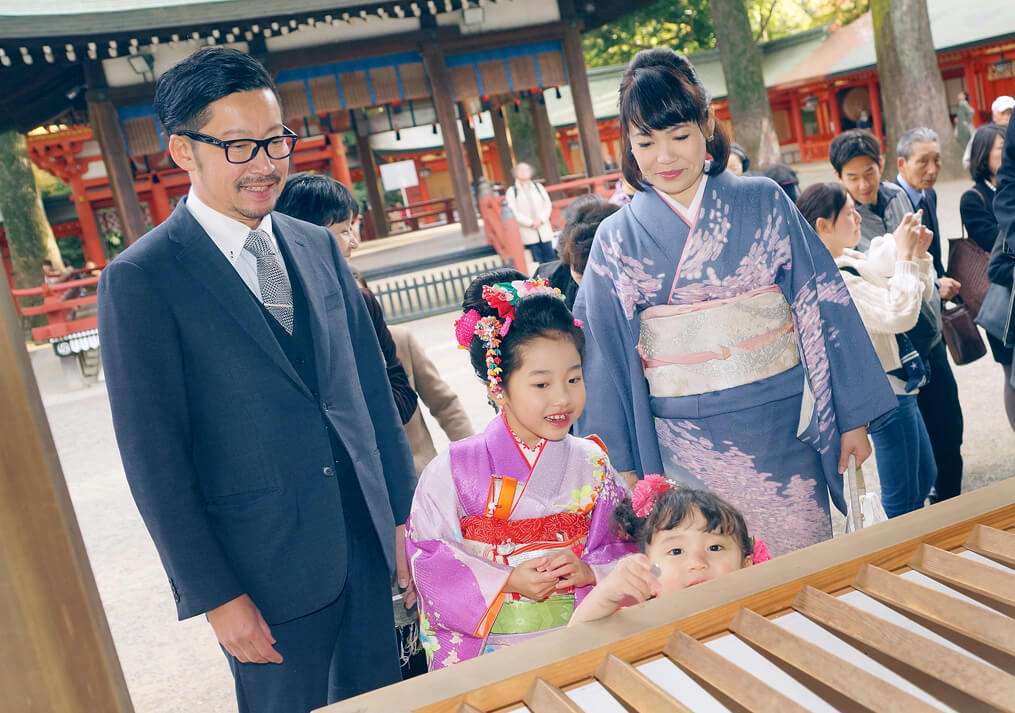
[{"x": 630, "y": 582}]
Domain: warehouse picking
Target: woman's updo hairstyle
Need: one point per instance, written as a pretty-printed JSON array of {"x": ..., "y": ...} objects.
[
  {"x": 659, "y": 90},
  {"x": 535, "y": 316}
]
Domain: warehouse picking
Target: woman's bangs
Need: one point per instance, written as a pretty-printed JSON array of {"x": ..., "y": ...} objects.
[{"x": 658, "y": 101}]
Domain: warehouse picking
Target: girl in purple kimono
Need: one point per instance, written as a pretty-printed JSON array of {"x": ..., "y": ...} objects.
[
  {"x": 511, "y": 527},
  {"x": 723, "y": 347}
]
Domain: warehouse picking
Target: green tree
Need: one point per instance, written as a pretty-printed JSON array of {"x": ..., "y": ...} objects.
[
  {"x": 683, "y": 25},
  {"x": 686, "y": 25},
  {"x": 745, "y": 82},
  {"x": 29, "y": 234},
  {"x": 911, "y": 83}
]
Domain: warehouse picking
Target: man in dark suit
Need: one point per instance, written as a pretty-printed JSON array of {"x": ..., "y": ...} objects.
[
  {"x": 258, "y": 434},
  {"x": 1004, "y": 201},
  {"x": 919, "y": 164}
]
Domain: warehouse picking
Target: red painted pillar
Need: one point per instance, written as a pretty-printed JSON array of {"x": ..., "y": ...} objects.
[
  {"x": 160, "y": 201},
  {"x": 565, "y": 151},
  {"x": 969, "y": 79},
  {"x": 796, "y": 119},
  {"x": 91, "y": 238},
  {"x": 339, "y": 163},
  {"x": 836, "y": 115},
  {"x": 875, "y": 96}
]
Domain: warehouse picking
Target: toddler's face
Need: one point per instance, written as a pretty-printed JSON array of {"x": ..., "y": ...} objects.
[{"x": 688, "y": 555}]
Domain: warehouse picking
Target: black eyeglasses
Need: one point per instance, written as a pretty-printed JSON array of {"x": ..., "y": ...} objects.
[{"x": 244, "y": 150}]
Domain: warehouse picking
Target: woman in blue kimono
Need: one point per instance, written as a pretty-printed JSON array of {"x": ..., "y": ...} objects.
[{"x": 723, "y": 348}]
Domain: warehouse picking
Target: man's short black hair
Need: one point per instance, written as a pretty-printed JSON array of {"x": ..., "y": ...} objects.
[
  {"x": 317, "y": 199},
  {"x": 850, "y": 144},
  {"x": 182, "y": 94}
]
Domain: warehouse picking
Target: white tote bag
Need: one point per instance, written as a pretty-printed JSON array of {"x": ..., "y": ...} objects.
[{"x": 863, "y": 506}]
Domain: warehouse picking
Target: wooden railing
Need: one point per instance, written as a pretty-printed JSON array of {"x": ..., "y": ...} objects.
[
  {"x": 69, "y": 306},
  {"x": 564, "y": 194},
  {"x": 407, "y": 218}
]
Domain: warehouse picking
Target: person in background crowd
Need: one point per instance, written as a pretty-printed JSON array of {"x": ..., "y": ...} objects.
[
  {"x": 863, "y": 121},
  {"x": 888, "y": 283},
  {"x": 447, "y": 409},
  {"x": 964, "y": 114},
  {"x": 856, "y": 157},
  {"x": 1002, "y": 258},
  {"x": 1000, "y": 115},
  {"x": 977, "y": 210},
  {"x": 323, "y": 201},
  {"x": 786, "y": 178},
  {"x": 251, "y": 406},
  {"x": 622, "y": 193},
  {"x": 739, "y": 162},
  {"x": 532, "y": 207},
  {"x": 581, "y": 218},
  {"x": 918, "y": 155},
  {"x": 582, "y": 221}
]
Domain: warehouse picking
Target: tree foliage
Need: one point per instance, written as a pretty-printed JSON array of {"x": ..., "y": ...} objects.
[{"x": 686, "y": 26}]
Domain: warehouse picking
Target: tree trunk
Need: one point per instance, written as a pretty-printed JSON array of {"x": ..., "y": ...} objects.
[
  {"x": 745, "y": 82},
  {"x": 911, "y": 83},
  {"x": 28, "y": 232}
]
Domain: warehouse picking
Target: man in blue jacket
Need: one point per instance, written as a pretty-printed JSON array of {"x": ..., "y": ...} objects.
[{"x": 251, "y": 406}]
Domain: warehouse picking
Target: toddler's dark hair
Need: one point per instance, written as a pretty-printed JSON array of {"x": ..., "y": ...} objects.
[
  {"x": 535, "y": 316},
  {"x": 676, "y": 505}
]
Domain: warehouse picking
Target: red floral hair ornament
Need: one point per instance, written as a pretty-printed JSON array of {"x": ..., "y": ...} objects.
[
  {"x": 759, "y": 551},
  {"x": 646, "y": 492},
  {"x": 504, "y": 298}
]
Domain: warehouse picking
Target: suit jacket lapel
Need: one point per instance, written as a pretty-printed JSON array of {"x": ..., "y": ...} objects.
[
  {"x": 303, "y": 259},
  {"x": 205, "y": 262}
]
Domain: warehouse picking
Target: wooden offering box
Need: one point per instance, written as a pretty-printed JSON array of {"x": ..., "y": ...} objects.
[{"x": 912, "y": 615}]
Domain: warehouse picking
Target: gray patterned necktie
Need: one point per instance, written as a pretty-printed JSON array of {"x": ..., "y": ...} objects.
[{"x": 276, "y": 292}]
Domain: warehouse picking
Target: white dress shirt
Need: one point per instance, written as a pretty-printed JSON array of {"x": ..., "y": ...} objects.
[{"x": 229, "y": 235}]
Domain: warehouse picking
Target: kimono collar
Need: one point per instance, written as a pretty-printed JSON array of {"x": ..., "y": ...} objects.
[{"x": 690, "y": 213}]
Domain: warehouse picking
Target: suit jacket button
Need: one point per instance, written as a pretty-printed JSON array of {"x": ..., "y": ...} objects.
[{"x": 328, "y": 471}]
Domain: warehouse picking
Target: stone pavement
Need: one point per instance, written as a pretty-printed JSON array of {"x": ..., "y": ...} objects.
[{"x": 172, "y": 666}]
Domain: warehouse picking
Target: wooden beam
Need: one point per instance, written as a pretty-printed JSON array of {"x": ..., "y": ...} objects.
[
  {"x": 471, "y": 146},
  {"x": 585, "y": 117},
  {"x": 635, "y": 689},
  {"x": 106, "y": 127},
  {"x": 858, "y": 686},
  {"x": 502, "y": 140},
  {"x": 545, "y": 145},
  {"x": 371, "y": 175},
  {"x": 57, "y": 652},
  {"x": 444, "y": 104},
  {"x": 995, "y": 544},
  {"x": 935, "y": 662}
]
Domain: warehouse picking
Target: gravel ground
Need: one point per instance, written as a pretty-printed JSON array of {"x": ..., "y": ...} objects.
[{"x": 173, "y": 666}]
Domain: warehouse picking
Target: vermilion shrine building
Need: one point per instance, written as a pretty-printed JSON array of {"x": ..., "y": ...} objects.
[{"x": 370, "y": 83}]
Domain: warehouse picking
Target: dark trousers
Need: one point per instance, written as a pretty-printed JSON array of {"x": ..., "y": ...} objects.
[
  {"x": 942, "y": 414},
  {"x": 542, "y": 252},
  {"x": 340, "y": 651}
]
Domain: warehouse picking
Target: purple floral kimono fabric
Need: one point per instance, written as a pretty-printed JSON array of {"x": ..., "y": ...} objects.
[
  {"x": 459, "y": 581},
  {"x": 770, "y": 446}
]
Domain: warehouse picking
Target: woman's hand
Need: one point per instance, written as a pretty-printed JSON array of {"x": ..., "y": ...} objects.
[
  {"x": 856, "y": 443},
  {"x": 531, "y": 580},
  {"x": 923, "y": 244},
  {"x": 570, "y": 571},
  {"x": 907, "y": 236}
]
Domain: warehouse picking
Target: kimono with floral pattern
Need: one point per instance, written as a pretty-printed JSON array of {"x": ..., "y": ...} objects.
[
  {"x": 461, "y": 553},
  {"x": 769, "y": 446}
]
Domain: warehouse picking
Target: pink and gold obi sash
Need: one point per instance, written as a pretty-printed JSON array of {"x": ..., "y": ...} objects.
[{"x": 717, "y": 345}]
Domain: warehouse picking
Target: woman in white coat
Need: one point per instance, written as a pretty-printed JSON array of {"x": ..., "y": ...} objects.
[{"x": 531, "y": 206}]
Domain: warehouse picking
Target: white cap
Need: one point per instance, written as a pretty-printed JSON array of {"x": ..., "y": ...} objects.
[{"x": 1002, "y": 103}]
